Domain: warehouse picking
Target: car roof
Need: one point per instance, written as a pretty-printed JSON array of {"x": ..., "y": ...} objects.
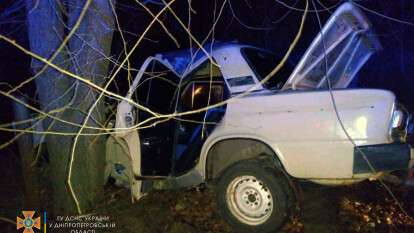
[{"x": 184, "y": 60}]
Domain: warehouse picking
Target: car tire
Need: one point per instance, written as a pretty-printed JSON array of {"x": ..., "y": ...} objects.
[{"x": 253, "y": 198}]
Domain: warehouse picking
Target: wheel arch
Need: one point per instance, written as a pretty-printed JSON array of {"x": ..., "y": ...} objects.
[{"x": 235, "y": 150}]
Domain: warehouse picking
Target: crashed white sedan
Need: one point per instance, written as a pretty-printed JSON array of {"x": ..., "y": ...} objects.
[{"x": 300, "y": 125}]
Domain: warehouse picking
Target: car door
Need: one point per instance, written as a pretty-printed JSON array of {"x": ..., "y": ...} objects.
[
  {"x": 156, "y": 90},
  {"x": 202, "y": 88}
]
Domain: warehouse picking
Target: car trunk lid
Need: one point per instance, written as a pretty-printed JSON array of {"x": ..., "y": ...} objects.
[{"x": 338, "y": 52}]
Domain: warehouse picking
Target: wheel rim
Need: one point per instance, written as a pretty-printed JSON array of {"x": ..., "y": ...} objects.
[{"x": 249, "y": 200}]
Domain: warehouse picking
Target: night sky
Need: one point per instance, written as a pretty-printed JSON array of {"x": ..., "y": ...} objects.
[{"x": 263, "y": 23}]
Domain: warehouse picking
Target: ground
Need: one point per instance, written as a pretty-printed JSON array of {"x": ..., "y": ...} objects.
[{"x": 364, "y": 208}]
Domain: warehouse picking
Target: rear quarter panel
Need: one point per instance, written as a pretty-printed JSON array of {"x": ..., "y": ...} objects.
[{"x": 303, "y": 129}]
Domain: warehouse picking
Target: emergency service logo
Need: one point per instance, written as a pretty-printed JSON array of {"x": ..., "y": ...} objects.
[{"x": 28, "y": 223}]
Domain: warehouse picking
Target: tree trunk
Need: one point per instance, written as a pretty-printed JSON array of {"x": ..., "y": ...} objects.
[
  {"x": 30, "y": 173},
  {"x": 85, "y": 55}
]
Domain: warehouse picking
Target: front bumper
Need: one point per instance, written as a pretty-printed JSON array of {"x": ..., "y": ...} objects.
[{"x": 383, "y": 157}]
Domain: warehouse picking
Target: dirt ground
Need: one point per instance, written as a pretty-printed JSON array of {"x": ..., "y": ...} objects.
[{"x": 365, "y": 207}]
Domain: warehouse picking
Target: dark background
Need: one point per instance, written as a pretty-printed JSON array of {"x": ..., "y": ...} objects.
[{"x": 264, "y": 23}]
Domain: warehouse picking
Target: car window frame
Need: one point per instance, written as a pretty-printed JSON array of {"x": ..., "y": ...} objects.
[{"x": 190, "y": 83}]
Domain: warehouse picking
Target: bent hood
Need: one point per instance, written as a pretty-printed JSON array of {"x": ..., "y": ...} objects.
[{"x": 338, "y": 52}]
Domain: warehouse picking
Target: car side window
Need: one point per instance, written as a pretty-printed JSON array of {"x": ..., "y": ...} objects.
[
  {"x": 157, "y": 88},
  {"x": 199, "y": 94},
  {"x": 263, "y": 62}
]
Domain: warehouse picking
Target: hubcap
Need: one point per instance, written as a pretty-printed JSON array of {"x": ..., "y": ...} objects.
[{"x": 249, "y": 200}]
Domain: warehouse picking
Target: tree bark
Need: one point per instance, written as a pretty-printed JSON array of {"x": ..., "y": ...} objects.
[
  {"x": 31, "y": 176},
  {"x": 85, "y": 55}
]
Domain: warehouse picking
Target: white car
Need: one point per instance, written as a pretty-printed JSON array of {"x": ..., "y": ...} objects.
[{"x": 210, "y": 119}]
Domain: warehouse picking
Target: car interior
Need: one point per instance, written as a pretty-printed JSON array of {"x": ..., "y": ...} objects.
[{"x": 171, "y": 146}]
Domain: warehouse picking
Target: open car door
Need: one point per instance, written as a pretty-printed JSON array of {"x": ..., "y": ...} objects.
[
  {"x": 157, "y": 90},
  {"x": 133, "y": 153},
  {"x": 344, "y": 45}
]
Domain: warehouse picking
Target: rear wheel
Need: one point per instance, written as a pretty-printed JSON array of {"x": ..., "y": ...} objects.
[{"x": 253, "y": 198}]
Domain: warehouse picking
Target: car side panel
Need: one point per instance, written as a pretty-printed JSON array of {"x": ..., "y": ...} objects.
[{"x": 303, "y": 130}]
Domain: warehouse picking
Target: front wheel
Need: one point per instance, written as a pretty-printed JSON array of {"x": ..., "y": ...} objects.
[{"x": 253, "y": 198}]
